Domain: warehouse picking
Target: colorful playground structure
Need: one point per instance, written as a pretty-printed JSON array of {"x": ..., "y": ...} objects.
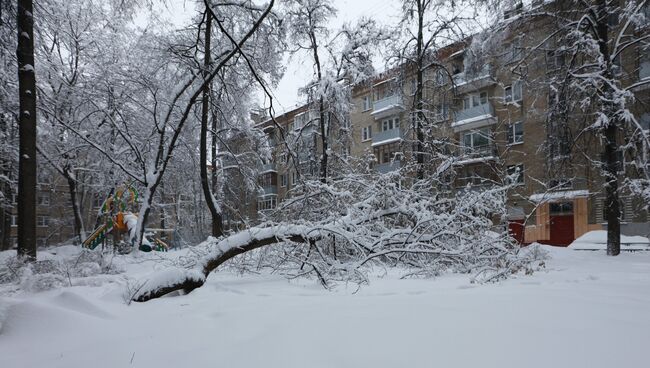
[{"x": 116, "y": 220}]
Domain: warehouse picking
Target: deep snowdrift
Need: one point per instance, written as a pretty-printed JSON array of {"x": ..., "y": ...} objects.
[{"x": 583, "y": 310}]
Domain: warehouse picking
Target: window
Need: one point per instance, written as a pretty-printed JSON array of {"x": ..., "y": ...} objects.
[
  {"x": 507, "y": 94},
  {"x": 440, "y": 77},
  {"x": 477, "y": 142},
  {"x": 14, "y": 220},
  {"x": 366, "y": 103},
  {"x": 513, "y": 92},
  {"x": 44, "y": 177},
  {"x": 266, "y": 180},
  {"x": 516, "y": 91},
  {"x": 283, "y": 180},
  {"x": 389, "y": 124},
  {"x": 475, "y": 100},
  {"x": 561, "y": 208},
  {"x": 561, "y": 183},
  {"x": 386, "y": 153},
  {"x": 483, "y": 98},
  {"x": 266, "y": 203},
  {"x": 555, "y": 60},
  {"x": 514, "y": 52},
  {"x": 516, "y": 133},
  {"x": 97, "y": 201},
  {"x": 14, "y": 198},
  {"x": 345, "y": 152},
  {"x": 293, "y": 178},
  {"x": 366, "y": 133},
  {"x": 515, "y": 174},
  {"x": 441, "y": 112},
  {"x": 43, "y": 199},
  {"x": 42, "y": 221}
]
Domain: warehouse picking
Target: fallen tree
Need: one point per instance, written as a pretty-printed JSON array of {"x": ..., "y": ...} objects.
[{"x": 337, "y": 231}]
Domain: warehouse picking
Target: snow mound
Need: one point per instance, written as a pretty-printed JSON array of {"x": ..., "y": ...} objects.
[
  {"x": 597, "y": 240},
  {"x": 73, "y": 302}
]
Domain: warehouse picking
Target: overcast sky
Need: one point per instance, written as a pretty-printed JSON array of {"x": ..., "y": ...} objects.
[{"x": 299, "y": 67}]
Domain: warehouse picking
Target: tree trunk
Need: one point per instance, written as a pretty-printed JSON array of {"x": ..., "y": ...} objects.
[
  {"x": 324, "y": 140},
  {"x": 27, "y": 132},
  {"x": 419, "y": 134},
  {"x": 609, "y": 108},
  {"x": 79, "y": 230},
  {"x": 217, "y": 226}
]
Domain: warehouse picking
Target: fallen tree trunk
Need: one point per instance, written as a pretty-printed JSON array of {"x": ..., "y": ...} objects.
[{"x": 186, "y": 280}]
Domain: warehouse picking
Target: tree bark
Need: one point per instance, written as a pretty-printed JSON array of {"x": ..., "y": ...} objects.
[
  {"x": 217, "y": 226},
  {"x": 419, "y": 134},
  {"x": 213, "y": 263},
  {"x": 79, "y": 230},
  {"x": 612, "y": 206},
  {"x": 27, "y": 132}
]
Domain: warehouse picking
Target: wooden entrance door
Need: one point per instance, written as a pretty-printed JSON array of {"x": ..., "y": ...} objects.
[
  {"x": 516, "y": 230},
  {"x": 561, "y": 230}
]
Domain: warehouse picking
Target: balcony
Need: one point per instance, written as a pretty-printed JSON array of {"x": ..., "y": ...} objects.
[
  {"x": 476, "y": 154},
  {"x": 387, "y": 136},
  {"x": 266, "y": 168},
  {"x": 468, "y": 81},
  {"x": 474, "y": 117},
  {"x": 388, "y": 167},
  {"x": 268, "y": 190},
  {"x": 387, "y": 106}
]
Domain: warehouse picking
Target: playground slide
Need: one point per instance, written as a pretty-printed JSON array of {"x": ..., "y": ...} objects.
[{"x": 98, "y": 236}]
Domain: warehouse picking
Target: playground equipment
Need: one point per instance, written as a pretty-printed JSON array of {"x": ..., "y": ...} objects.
[{"x": 116, "y": 220}]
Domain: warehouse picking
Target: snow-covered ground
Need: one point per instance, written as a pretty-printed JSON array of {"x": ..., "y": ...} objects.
[{"x": 582, "y": 310}]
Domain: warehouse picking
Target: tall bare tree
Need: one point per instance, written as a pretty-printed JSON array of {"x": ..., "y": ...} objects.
[{"x": 27, "y": 131}]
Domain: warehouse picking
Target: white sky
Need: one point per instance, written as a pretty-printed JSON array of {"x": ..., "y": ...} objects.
[{"x": 299, "y": 67}]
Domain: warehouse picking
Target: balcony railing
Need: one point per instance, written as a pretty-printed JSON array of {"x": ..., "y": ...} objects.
[
  {"x": 387, "y": 106},
  {"x": 270, "y": 189},
  {"x": 268, "y": 167},
  {"x": 486, "y": 150},
  {"x": 469, "y": 76},
  {"x": 386, "y": 136},
  {"x": 473, "y": 113},
  {"x": 388, "y": 167}
]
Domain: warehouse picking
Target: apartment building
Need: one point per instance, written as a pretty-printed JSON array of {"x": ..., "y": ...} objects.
[{"x": 497, "y": 110}]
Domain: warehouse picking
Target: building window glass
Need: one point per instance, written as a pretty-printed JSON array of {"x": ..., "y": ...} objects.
[
  {"x": 516, "y": 91},
  {"x": 477, "y": 142},
  {"x": 266, "y": 203},
  {"x": 43, "y": 199},
  {"x": 507, "y": 94},
  {"x": 14, "y": 220},
  {"x": 42, "y": 221},
  {"x": 390, "y": 124},
  {"x": 283, "y": 180},
  {"x": 366, "y": 133},
  {"x": 366, "y": 103},
  {"x": 516, "y": 133}
]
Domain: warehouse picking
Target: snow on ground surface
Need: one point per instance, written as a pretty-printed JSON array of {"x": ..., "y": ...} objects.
[
  {"x": 583, "y": 310},
  {"x": 597, "y": 239}
]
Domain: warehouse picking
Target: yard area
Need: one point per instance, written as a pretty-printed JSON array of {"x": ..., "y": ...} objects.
[{"x": 582, "y": 309}]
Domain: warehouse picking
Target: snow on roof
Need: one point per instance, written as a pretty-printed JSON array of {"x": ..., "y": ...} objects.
[{"x": 565, "y": 194}]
